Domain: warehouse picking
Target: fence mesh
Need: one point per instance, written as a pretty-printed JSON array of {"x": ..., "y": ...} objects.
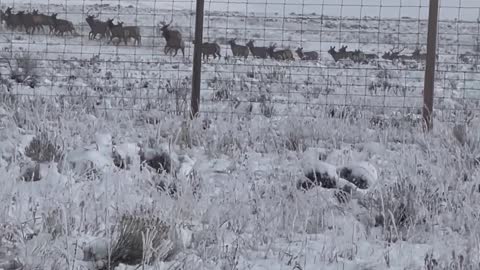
[{"x": 379, "y": 74}]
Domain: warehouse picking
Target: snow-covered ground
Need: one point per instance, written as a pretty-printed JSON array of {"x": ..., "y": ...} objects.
[{"x": 388, "y": 196}]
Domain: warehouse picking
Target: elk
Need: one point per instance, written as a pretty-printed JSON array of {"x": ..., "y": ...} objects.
[
  {"x": 13, "y": 21},
  {"x": 131, "y": 32},
  {"x": 257, "y": 52},
  {"x": 173, "y": 38},
  {"x": 210, "y": 49},
  {"x": 371, "y": 56},
  {"x": 31, "y": 21},
  {"x": 61, "y": 26},
  {"x": 335, "y": 55},
  {"x": 238, "y": 50},
  {"x": 97, "y": 27},
  {"x": 285, "y": 54},
  {"x": 364, "y": 58},
  {"x": 26, "y": 20},
  {"x": 40, "y": 20},
  {"x": 356, "y": 56},
  {"x": 341, "y": 54},
  {"x": 306, "y": 55},
  {"x": 116, "y": 31},
  {"x": 395, "y": 55},
  {"x": 419, "y": 56}
]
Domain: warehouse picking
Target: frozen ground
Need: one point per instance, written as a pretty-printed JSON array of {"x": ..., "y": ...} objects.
[{"x": 236, "y": 169}]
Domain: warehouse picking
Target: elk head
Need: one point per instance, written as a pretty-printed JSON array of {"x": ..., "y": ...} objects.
[{"x": 165, "y": 25}]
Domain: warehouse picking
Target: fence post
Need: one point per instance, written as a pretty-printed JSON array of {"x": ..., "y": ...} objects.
[
  {"x": 197, "y": 59},
  {"x": 429, "y": 83}
]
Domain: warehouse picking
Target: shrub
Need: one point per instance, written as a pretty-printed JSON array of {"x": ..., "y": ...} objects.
[
  {"x": 41, "y": 149},
  {"x": 131, "y": 233}
]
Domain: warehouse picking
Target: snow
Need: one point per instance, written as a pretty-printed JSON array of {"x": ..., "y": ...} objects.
[{"x": 238, "y": 206}]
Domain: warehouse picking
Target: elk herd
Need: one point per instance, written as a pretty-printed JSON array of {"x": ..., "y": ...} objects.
[{"x": 35, "y": 21}]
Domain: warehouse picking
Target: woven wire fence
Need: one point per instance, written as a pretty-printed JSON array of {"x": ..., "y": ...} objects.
[
  {"x": 60, "y": 63},
  {"x": 457, "y": 91},
  {"x": 361, "y": 58},
  {"x": 324, "y": 58}
]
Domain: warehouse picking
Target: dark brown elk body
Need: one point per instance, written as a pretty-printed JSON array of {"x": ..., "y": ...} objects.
[
  {"x": 27, "y": 22},
  {"x": 335, "y": 55},
  {"x": 41, "y": 20},
  {"x": 371, "y": 56},
  {"x": 419, "y": 56},
  {"x": 97, "y": 27},
  {"x": 61, "y": 26},
  {"x": 132, "y": 32},
  {"x": 306, "y": 55},
  {"x": 173, "y": 38},
  {"x": 394, "y": 55},
  {"x": 356, "y": 56},
  {"x": 285, "y": 54},
  {"x": 116, "y": 31},
  {"x": 13, "y": 21},
  {"x": 257, "y": 52},
  {"x": 238, "y": 50},
  {"x": 210, "y": 49}
]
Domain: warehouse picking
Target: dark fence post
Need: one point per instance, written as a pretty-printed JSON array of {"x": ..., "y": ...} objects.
[
  {"x": 197, "y": 59},
  {"x": 429, "y": 85}
]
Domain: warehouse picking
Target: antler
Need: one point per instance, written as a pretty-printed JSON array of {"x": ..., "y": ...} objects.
[{"x": 165, "y": 25}]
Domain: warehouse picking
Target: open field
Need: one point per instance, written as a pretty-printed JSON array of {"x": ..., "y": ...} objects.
[{"x": 78, "y": 116}]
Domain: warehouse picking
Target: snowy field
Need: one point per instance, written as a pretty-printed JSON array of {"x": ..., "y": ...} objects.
[{"x": 78, "y": 116}]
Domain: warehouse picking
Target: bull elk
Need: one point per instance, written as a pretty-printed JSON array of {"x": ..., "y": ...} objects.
[
  {"x": 238, "y": 50},
  {"x": 285, "y": 54},
  {"x": 394, "y": 54},
  {"x": 173, "y": 38}
]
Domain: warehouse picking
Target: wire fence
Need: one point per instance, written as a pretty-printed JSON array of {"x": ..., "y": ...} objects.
[{"x": 269, "y": 58}]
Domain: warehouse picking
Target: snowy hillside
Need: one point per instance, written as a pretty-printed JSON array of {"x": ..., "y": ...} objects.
[{"x": 292, "y": 165}]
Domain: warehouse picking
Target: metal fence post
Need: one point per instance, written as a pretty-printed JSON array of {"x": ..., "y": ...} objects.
[
  {"x": 429, "y": 85},
  {"x": 197, "y": 59}
]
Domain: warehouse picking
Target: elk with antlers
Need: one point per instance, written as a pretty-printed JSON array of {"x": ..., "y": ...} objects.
[
  {"x": 394, "y": 54},
  {"x": 173, "y": 38},
  {"x": 285, "y": 54}
]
